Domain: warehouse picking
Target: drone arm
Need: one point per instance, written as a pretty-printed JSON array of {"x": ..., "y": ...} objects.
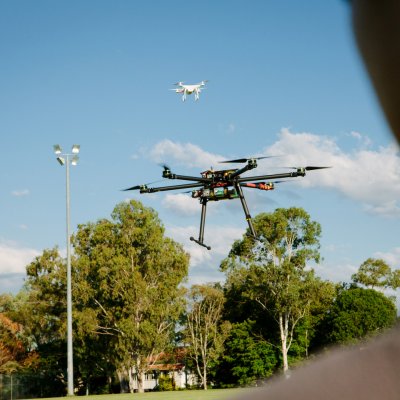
[
  {"x": 173, "y": 187},
  {"x": 299, "y": 172},
  {"x": 251, "y": 164},
  {"x": 170, "y": 175}
]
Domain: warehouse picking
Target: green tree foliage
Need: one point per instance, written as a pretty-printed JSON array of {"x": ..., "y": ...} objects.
[
  {"x": 46, "y": 298},
  {"x": 205, "y": 331},
  {"x": 42, "y": 312},
  {"x": 248, "y": 357},
  {"x": 374, "y": 273},
  {"x": 394, "y": 281},
  {"x": 273, "y": 271},
  {"x": 165, "y": 384},
  {"x": 127, "y": 282},
  {"x": 358, "y": 313}
]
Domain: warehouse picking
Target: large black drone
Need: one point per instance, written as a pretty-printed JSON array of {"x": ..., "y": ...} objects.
[{"x": 225, "y": 184}]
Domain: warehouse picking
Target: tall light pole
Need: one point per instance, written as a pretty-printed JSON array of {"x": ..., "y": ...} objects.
[{"x": 68, "y": 159}]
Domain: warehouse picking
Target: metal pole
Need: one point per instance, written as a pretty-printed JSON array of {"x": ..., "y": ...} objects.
[{"x": 70, "y": 367}]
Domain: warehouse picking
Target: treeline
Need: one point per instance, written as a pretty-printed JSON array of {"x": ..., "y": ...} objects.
[{"x": 130, "y": 304}]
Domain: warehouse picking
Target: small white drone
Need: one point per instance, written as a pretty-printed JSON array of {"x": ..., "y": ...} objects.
[{"x": 189, "y": 89}]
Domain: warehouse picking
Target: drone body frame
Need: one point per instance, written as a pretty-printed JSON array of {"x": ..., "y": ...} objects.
[
  {"x": 224, "y": 184},
  {"x": 186, "y": 90}
]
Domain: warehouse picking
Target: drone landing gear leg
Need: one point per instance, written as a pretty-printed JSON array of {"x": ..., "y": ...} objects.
[
  {"x": 202, "y": 223},
  {"x": 246, "y": 211}
]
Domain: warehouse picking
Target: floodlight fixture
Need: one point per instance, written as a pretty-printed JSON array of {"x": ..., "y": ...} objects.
[
  {"x": 57, "y": 149},
  {"x": 75, "y": 148},
  {"x": 74, "y": 160},
  {"x": 61, "y": 160}
]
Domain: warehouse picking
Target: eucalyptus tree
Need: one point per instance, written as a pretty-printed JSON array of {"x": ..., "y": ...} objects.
[
  {"x": 205, "y": 330},
  {"x": 376, "y": 273},
  {"x": 127, "y": 280},
  {"x": 273, "y": 270}
]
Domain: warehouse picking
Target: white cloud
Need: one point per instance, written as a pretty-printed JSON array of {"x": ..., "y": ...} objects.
[
  {"x": 341, "y": 272},
  {"x": 220, "y": 238},
  {"x": 392, "y": 257},
  {"x": 14, "y": 259},
  {"x": 187, "y": 154},
  {"x": 181, "y": 204},
  {"x": 20, "y": 193},
  {"x": 371, "y": 177},
  {"x": 363, "y": 139},
  {"x": 205, "y": 275},
  {"x": 184, "y": 205},
  {"x": 198, "y": 254},
  {"x": 356, "y": 135},
  {"x": 386, "y": 209}
]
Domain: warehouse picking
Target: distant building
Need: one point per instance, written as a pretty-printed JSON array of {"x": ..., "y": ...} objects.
[{"x": 172, "y": 366}]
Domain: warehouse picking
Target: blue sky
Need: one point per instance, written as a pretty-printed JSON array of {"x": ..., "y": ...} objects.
[{"x": 285, "y": 78}]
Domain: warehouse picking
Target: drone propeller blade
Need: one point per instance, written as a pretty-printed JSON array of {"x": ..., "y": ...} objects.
[
  {"x": 243, "y": 160},
  {"x": 239, "y": 160},
  {"x": 137, "y": 187},
  {"x": 165, "y": 166},
  {"x": 311, "y": 168}
]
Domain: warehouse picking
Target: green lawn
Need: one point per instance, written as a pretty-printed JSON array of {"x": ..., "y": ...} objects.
[{"x": 213, "y": 394}]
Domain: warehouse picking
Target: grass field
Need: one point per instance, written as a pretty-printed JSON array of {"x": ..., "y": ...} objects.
[{"x": 213, "y": 394}]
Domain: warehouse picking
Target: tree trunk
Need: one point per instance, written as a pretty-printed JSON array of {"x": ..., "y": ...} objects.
[
  {"x": 205, "y": 378},
  {"x": 122, "y": 381},
  {"x": 306, "y": 343},
  {"x": 131, "y": 381},
  {"x": 283, "y": 327},
  {"x": 140, "y": 381}
]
